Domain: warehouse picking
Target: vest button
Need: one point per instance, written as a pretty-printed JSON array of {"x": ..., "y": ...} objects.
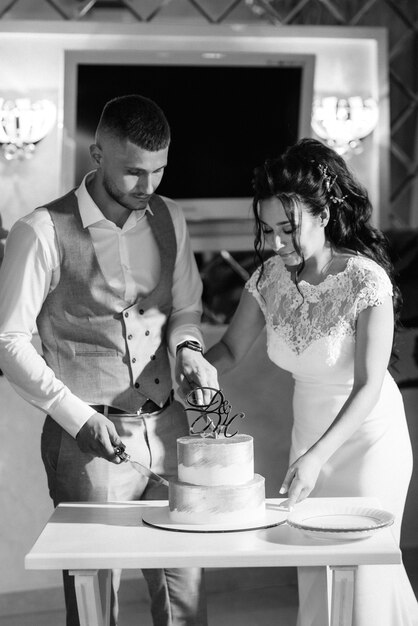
[
  {"x": 141, "y": 311},
  {"x": 146, "y": 333},
  {"x": 152, "y": 357},
  {"x": 129, "y": 336},
  {"x": 157, "y": 380},
  {"x": 134, "y": 360},
  {"x": 137, "y": 385},
  {"x": 126, "y": 314}
]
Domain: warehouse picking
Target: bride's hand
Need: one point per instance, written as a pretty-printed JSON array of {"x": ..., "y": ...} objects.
[{"x": 301, "y": 478}]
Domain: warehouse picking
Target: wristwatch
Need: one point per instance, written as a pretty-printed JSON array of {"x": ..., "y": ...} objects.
[{"x": 192, "y": 345}]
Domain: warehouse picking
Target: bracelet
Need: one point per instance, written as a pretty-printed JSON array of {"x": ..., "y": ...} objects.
[{"x": 192, "y": 345}]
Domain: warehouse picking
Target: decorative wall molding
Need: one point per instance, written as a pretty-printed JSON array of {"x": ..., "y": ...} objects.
[{"x": 400, "y": 17}]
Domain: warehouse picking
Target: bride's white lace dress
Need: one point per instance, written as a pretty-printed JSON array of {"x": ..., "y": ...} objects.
[{"x": 311, "y": 333}]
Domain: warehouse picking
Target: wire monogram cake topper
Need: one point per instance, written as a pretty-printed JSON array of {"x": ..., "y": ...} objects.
[{"x": 213, "y": 419}]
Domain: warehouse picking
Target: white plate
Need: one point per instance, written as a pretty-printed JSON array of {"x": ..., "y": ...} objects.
[
  {"x": 160, "y": 518},
  {"x": 339, "y": 522}
]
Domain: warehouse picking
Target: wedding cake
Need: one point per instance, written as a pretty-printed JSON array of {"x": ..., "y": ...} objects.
[{"x": 216, "y": 483}]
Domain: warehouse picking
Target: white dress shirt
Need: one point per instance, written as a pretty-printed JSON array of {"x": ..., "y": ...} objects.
[{"x": 130, "y": 262}]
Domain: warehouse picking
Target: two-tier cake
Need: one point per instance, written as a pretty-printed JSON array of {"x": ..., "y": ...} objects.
[{"x": 216, "y": 482}]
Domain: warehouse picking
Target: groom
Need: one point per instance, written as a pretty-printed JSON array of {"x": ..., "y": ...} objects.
[{"x": 107, "y": 275}]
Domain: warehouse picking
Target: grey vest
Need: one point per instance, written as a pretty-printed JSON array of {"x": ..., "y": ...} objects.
[{"x": 86, "y": 340}]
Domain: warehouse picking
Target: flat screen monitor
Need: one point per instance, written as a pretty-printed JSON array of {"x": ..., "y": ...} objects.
[{"x": 227, "y": 112}]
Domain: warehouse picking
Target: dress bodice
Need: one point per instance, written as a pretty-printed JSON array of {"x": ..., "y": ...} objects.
[{"x": 311, "y": 328}]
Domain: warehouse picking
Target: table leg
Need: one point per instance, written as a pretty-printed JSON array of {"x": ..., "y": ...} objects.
[
  {"x": 335, "y": 586},
  {"x": 342, "y": 595},
  {"x": 314, "y": 598},
  {"x": 92, "y": 589}
]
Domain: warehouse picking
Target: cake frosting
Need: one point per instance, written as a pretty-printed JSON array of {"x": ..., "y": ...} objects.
[
  {"x": 216, "y": 483},
  {"x": 220, "y": 461}
]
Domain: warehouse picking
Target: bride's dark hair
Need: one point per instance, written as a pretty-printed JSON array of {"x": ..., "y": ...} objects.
[{"x": 312, "y": 174}]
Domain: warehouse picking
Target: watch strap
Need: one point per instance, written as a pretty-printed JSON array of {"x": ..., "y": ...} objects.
[{"x": 192, "y": 345}]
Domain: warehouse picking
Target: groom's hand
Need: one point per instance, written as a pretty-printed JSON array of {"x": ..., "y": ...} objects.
[
  {"x": 193, "y": 371},
  {"x": 98, "y": 436}
]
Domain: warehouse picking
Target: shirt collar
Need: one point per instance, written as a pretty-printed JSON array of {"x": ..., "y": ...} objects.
[{"x": 89, "y": 211}]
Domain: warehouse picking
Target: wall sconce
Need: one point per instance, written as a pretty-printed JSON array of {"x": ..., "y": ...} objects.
[
  {"x": 344, "y": 122},
  {"x": 24, "y": 123}
]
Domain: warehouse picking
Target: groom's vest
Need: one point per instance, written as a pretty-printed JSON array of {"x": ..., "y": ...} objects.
[{"x": 105, "y": 355}]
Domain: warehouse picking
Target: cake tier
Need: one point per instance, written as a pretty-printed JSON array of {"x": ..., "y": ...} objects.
[
  {"x": 198, "y": 504},
  {"x": 220, "y": 461}
]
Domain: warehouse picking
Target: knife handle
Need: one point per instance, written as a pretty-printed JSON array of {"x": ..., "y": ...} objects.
[{"x": 120, "y": 452}]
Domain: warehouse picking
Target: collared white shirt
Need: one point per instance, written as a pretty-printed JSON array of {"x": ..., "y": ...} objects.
[{"x": 130, "y": 262}]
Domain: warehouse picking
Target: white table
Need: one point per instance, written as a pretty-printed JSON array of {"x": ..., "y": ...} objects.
[{"x": 91, "y": 539}]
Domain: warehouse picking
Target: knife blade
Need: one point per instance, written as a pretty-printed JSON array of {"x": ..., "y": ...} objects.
[{"x": 142, "y": 469}]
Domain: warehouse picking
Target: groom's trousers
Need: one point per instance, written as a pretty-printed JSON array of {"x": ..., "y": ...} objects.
[{"x": 177, "y": 595}]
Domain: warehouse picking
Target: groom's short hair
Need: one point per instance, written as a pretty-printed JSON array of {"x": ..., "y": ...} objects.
[{"x": 136, "y": 118}]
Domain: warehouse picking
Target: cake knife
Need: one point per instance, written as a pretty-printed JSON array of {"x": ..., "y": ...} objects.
[{"x": 142, "y": 469}]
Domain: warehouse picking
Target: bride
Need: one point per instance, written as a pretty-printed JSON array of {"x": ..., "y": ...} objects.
[{"x": 329, "y": 304}]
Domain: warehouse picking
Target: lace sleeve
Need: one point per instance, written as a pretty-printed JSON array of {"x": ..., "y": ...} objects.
[
  {"x": 374, "y": 285},
  {"x": 259, "y": 288},
  {"x": 253, "y": 288}
]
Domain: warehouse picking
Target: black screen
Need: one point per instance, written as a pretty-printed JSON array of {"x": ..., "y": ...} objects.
[{"x": 224, "y": 120}]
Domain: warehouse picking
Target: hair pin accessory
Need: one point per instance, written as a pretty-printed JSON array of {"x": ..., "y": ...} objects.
[
  {"x": 329, "y": 182},
  {"x": 336, "y": 200}
]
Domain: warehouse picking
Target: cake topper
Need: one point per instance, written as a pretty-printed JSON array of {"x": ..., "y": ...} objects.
[{"x": 213, "y": 419}]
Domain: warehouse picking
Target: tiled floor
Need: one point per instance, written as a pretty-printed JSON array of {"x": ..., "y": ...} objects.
[{"x": 247, "y": 600}]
